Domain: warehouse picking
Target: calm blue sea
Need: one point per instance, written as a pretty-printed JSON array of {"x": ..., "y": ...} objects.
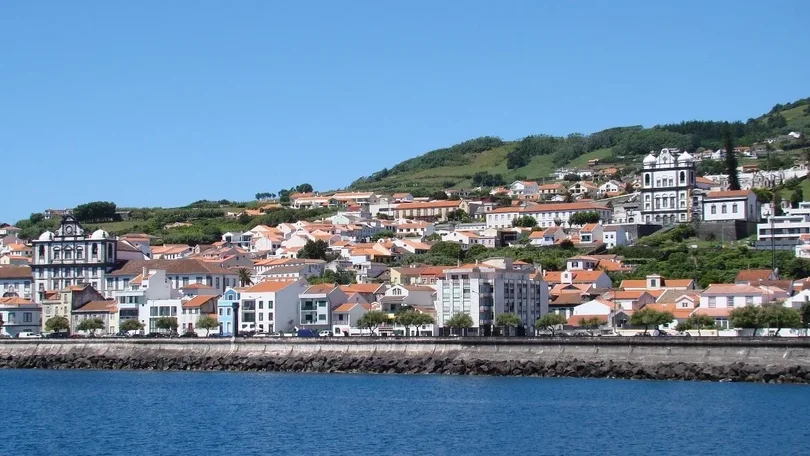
[{"x": 170, "y": 413}]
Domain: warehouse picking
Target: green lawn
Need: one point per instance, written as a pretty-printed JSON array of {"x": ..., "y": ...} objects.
[{"x": 582, "y": 160}]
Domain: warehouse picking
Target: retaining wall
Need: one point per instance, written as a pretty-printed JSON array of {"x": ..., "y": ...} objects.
[{"x": 706, "y": 358}]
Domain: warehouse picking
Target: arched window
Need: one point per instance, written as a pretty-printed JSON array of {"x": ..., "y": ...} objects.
[
  {"x": 723, "y": 209},
  {"x": 42, "y": 251},
  {"x": 94, "y": 250},
  {"x": 714, "y": 209},
  {"x": 109, "y": 252},
  {"x": 734, "y": 208},
  {"x": 647, "y": 197},
  {"x": 646, "y": 179},
  {"x": 79, "y": 253},
  {"x": 683, "y": 177}
]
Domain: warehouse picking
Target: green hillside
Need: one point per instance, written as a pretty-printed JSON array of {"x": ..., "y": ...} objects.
[{"x": 536, "y": 156}]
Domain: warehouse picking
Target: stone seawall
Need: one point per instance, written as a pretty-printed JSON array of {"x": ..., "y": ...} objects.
[{"x": 716, "y": 359}]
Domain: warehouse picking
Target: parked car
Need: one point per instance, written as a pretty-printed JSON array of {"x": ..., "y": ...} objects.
[
  {"x": 325, "y": 333},
  {"x": 156, "y": 335},
  {"x": 58, "y": 335},
  {"x": 306, "y": 333},
  {"x": 261, "y": 335},
  {"x": 189, "y": 334},
  {"x": 29, "y": 335}
]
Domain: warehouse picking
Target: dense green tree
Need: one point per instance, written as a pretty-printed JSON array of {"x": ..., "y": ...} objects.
[
  {"x": 796, "y": 197},
  {"x": 485, "y": 179},
  {"x": 804, "y": 311},
  {"x": 583, "y": 218},
  {"x": 749, "y": 317},
  {"x": 166, "y": 324},
  {"x": 57, "y": 324},
  {"x": 96, "y": 211},
  {"x": 413, "y": 318},
  {"x": 590, "y": 323},
  {"x": 304, "y": 188},
  {"x": 550, "y": 322},
  {"x": 447, "y": 250},
  {"x": 340, "y": 277},
  {"x": 439, "y": 195},
  {"x": 245, "y": 276},
  {"x": 207, "y": 322},
  {"x": 731, "y": 160},
  {"x": 507, "y": 319},
  {"x": 648, "y": 318},
  {"x": 384, "y": 234},
  {"x": 130, "y": 325},
  {"x": 314, "y": 250},
  {"x": 372, "y": 319},
  {"x": 35, "y": 218},
  {"x": 458, "y": 215},
  {"x": 699, "y": 322},
  {"x": 527, "y": 221},
  {"x": 91, "y": 325},
  {"x": 709, "y": 167},
  {"x": 778, "y": 316},
  {"x": 459, "y": 321}
]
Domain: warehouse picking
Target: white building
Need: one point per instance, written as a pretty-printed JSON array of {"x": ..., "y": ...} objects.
[
  {"x": 19, "y": 315},
  {"x": 614, "y": 235},
  {"x": 523, "y": 188},
  {"x": 731, "y": 205},
  {"x": 791, "y": 226},
  {"x": 180, "y": 274},
  {"x": 547, "y": 215},
  {"x": 666, "y": 187},
  {"x": 71, "y": 257},
  {"x": 16, "y": 281},
  {"x": 728, "y": 296},
  {"x": 137, "y": 300},
  {"x": 487, "y": 289},
  {"x": 270, "y": 306}
]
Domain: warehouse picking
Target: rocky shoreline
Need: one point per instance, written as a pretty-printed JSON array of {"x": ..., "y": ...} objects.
[{"x": 732, "y": 372}]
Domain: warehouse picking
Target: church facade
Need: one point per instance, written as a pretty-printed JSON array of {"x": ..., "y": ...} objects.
[
  {"x": 667, "y": 181},
  {"x": 70, "y": 256}
]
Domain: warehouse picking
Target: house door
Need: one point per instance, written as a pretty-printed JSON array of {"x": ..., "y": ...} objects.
[{"x": 190, "y": 327}]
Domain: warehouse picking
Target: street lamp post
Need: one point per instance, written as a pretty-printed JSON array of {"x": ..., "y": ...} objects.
[{"x": 235, "y": 332}]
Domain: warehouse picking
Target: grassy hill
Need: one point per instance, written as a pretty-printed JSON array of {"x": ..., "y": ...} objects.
[{"x": 535, "y": 157}]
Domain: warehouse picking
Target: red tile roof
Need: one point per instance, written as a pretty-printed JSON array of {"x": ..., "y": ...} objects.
[{"x": 198, "y": 301}]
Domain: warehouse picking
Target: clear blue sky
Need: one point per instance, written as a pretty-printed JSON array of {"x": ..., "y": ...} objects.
[{"x": 165, "y": 102}]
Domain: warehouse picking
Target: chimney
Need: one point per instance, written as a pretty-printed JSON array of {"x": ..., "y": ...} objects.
[{"x": 144, "y": 273}]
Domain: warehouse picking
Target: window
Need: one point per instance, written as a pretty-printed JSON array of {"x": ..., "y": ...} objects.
[
  {"x": 714, "y": 209},
  {"x": 270, "y": 316},
  {"x": 228, "y": 311},
  {"x": 27, "y": 317},
  {"x": 321, "y": 317},
  {"x": 261, "y": 305},
  {"x": 217, "y": 282},
  {"x": 683, "y": 177},
  {"x": 749, "y": 300},
  {"x": 723, "y": 209},
  {"x": 734, "y": 208},
  {"x": 221, "y": 311},
  {"x": 261, "y": 317},
  {"x": 198, "y": 280},
  {"x": 684, "y": 305},
  {"x": 321, "y": 303},
  {"x": 647, "y": 179},
  {"x": 269, "y": 305},
  {"x": 658, "y": 182},
  {"x": 712, "y": 301}
]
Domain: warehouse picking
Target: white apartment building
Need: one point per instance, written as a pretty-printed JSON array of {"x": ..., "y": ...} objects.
[
  {"x": 523, "y": 188},
  {"x": 790, "y": 226},
  {"x": 180, "y": 273},
  {"x": 484, "y": 290},
  {"x": 270, "y": 306},
  {"x": 666, "y": 187},
  {"x": 147, "y": 297},
  {"x": 547, "y": 215}
]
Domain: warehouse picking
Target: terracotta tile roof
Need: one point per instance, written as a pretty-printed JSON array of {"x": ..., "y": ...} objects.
[
  {"x": 321, "y": 288},
  {"x": 704, "y": 180},
  {"x": 270, "y": 286},
  {"x": 98, "y": 307},
  {"x": 624, "y": 295},
  {"x": 577, "y": 276},
  {"x": 730, "y": 194},
  {"x": 567, "y": 299},
  {"x": 15, "y": 301},
  {"x": 346, "y": 307},
  {"x": 589, "y": 227},
  {"x": 198, "y": 301},
  {"x": 753, "y": 275},
  {"x": 678, "y": 313},
  {"x": 731, "y": 289},
  {"x": 181, "y": 266},
  {"x": 713, "y": 312},
  {"x": 418, "y": 288},
  {"x": 15, "y": 272},
  {"x": 363, "y": 288}
]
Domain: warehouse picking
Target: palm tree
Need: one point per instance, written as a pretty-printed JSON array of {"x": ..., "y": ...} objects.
[{"x": 245, "y": 277}]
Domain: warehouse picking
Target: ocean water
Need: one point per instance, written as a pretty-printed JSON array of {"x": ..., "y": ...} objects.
[{"x": 177, "y": 413}]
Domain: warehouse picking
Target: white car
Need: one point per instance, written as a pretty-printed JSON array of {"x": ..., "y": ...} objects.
[
  {"x": 324, "y": 333},
  {"x": 29, "y": 335}
]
